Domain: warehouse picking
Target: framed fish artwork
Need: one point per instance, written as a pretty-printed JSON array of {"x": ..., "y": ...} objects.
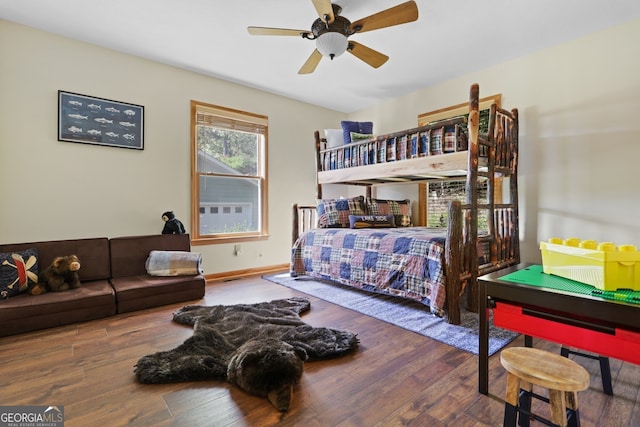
[{"x": 90, "y": 120}]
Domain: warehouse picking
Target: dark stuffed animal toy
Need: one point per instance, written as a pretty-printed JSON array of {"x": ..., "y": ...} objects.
[
  {"x": 258, "y": 347},
  {"x": 61, "y": 275},
  {"x": 172, "y": 225}
]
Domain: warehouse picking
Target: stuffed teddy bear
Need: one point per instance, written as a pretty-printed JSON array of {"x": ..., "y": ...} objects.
[
  {"x": 172, "y": 225},
  {"x": 60, "y": 276}
]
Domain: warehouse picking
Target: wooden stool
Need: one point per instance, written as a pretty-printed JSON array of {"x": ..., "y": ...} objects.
[{"x": 561, "y": 376}]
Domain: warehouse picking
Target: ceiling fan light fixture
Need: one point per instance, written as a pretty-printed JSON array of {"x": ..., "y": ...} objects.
[{"x": 331, "y": 44}]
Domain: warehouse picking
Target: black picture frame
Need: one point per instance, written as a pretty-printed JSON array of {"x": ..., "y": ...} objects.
[{"x": 92, "y": 120}]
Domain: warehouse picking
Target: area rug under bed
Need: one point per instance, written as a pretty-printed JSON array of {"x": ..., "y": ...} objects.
[{"x": 407, "y": 314}]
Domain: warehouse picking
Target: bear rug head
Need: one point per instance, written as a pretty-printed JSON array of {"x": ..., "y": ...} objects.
[
  {"x": 260, "y": 347},
  {"x": 267, "y": 368}
]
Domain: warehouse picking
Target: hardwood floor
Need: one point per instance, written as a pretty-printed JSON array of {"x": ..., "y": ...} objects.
[{"x": 396, "y": 377}]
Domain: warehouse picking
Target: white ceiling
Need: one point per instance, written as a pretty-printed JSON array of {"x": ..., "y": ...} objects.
[{"x": 450, "y": 38}]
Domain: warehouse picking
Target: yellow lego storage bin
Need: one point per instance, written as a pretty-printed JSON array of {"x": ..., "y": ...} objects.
[{"x": 604, "y": 265}]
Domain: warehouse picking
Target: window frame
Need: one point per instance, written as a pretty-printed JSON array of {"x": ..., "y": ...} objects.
[{"x": 243, "y": 117}]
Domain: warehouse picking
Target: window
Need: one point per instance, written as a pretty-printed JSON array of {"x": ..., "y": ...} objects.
[
  {"x": 440, "y": 193},
  {"x": 229, "y": 188}
]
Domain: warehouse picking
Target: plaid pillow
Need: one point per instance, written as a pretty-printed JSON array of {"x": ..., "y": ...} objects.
[
  {"x": 400, "y": 209},
  {"x": 334, "y": 213}
]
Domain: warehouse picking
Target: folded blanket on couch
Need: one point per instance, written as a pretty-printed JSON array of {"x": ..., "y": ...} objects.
[{"x": 173, "y": 263}]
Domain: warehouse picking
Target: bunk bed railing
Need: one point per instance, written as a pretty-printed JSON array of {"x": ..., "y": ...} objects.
[
  {"x": 304, "y": 218},
  {"x": 500, "y": 247},
  {"x": 443, "y": 137},
  {"x": 495, "y": 248}
]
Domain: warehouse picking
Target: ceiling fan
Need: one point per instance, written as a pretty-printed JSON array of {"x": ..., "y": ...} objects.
[{"x": 331, "y": 32}]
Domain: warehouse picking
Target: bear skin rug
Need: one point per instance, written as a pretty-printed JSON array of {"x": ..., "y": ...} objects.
[{"x": 260, "y": 347}]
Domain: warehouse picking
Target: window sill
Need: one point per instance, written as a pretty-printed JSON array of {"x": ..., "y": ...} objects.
[{"x": 227, "y": 239}]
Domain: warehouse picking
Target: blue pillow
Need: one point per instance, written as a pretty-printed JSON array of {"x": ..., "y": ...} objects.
[{"x": 358, "y": 127}]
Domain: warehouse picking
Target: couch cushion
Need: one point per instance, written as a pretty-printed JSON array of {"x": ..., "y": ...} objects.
[
  {"x": 24, "y": 312},
  {"x": 144, "y": 291},
  {"x": 93, "y": 254},
  {"x": 129, "y": 254}
]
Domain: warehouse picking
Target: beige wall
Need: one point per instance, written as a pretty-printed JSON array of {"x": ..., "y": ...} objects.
[
  {"x": 59, "y": 190},
  {"x": 579, "y": 134},
  {"x": 579, "y": 142}
]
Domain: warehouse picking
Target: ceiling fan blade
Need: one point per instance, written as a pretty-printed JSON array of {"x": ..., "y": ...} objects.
[
  {"x": 366, "y": 54},
  {"x": 325, "y": 10},
  {"x": 401, "y": 14},
  {"x": 311, "y": 64},
  {"x": 265, "y": 31}
]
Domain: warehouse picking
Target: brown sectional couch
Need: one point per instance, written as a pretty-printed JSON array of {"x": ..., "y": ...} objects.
[
  {"x": 93, "y": 300},
  {"x": 113, "y": 278}
]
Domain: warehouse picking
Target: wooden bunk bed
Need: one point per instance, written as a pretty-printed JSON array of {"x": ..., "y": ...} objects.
[{"x": 448, "y": 149}]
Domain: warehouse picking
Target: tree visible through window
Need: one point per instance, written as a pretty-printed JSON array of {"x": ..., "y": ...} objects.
[
  {"x": 228, "y": 173},
  {"x": 441, "y": 193}
]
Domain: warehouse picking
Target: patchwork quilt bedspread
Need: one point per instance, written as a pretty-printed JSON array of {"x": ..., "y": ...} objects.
[{"x": 405, "y": 262}]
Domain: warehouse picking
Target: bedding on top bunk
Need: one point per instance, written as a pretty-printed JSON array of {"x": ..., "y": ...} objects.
[{"x": 406, "y": 262}]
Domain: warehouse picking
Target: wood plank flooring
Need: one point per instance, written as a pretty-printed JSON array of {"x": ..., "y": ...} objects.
[{"x": 396, "y": 378}]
